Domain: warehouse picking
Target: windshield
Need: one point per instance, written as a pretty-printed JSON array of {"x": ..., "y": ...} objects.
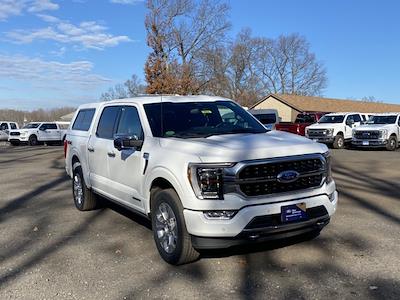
[
  {"x": 266, "y": 118},
  {"x": 382, "y": 120},
  {"x": 331, "y": 119},
  {"x": 31, "y": 125},
  {"x": 199, "y": 119},
  {"x": 305, "y": 118}
]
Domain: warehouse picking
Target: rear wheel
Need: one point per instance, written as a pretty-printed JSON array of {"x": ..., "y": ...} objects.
[
  {"x": 170, "y": 234},
  {"x": 338, "y": 142},
  {"x": 392, "y": 144},
  {"x": 33, "y": 141},
  {"x": 84, "y": 198}
]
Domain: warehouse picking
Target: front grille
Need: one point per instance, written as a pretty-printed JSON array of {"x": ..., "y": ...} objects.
[
  {"x": 273, "y": 187},
  {"x": 14, "y": 133},
  {"x": 315, "y": 133},
  {"x": 271, "y": 170},
  {"x": 366, "y": 135},
  {"x": 275, "y": 219},
  {"x": 266, "y": 177}
]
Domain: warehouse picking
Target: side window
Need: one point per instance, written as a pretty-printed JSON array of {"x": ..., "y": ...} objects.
[
  {"x": 13, "y": 126},
  {"x": 364, "y": 118},
  {"x": 106, "y": 127},
  {"x": 43, "y": 127},
  {"x": 83, "y": 120},
  {"x": 398, "y": 122},
  {"x": 52, "y": 126},
  {"x": 350, "y": 118},
  {"x": 3, "y": 126},
  {"x": 357, "y": 118},
  {"x": 129, "y": 123}
]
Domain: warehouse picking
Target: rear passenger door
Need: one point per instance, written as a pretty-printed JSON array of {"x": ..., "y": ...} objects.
[
  {"x": 49, "y": 132},
  {"x": 126, "y": 166},
  {"x": 100, "y": 147}
]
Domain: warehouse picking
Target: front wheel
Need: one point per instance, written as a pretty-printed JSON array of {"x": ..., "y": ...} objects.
[
  {"x": 392, "y": 144},
  {"x": 169, "y": 229},
  {"x": 338, "y": 142},
  {"x": 33, "y": 141}
]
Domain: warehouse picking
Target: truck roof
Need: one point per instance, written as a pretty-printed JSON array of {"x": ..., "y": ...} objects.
[
  {"x": 147, "y": 99},
  {"x": 343, "y": 113}
]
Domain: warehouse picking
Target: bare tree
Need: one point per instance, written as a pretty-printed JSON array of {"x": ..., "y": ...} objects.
[
  {"x": 178, "y": 31},
  {"x": 132, "y": 87},
  {"x": 21, "y": 116},
  {"x": 287, "y": 66}
]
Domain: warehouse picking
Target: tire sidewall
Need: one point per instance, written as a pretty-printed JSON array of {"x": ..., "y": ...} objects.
[
  {"x": 78, "y": 171},
  {"x": 337, "y": 143},
  {"x": 169, "y": 197},
  {"x": 33, "y": 140},
  {"x": 390, "y": 141}
]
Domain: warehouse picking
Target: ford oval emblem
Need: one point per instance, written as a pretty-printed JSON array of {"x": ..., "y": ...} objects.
[{"x": 288, "y": 176}]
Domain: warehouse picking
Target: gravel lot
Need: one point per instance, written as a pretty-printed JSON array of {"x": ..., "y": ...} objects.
[{"x": 50, "y": 250}]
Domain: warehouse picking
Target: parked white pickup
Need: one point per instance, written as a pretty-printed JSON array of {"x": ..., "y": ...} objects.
[
  {"x": 382, "y": 130},
  {"x": 38, "y": 132},
  {"x": 5, "y": 127},
  {"x": 334, "y": 129}
]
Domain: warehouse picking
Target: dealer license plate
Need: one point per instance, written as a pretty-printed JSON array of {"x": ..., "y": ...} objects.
[{"x": 295, "y": 212}]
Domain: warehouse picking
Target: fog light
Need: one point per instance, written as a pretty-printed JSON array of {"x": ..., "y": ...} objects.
[{"x": 220, "y": 214}]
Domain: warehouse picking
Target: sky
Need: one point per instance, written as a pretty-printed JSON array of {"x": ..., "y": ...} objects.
[{"x": 65, "y": 53}]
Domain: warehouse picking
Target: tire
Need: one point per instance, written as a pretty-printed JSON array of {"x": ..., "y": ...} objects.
[
  {"x": 33, "y": 141},
  {"x": 169, "y": 229},
  {"x": 392, "y": 144},
  {"x": 338, "y": 142},
  {"x": 84, "y": 198}
]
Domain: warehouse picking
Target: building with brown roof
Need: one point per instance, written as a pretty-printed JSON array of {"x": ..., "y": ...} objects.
[{"x": 289, "y": 106}]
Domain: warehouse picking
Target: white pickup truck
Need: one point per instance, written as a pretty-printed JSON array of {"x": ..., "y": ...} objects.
[
  {"x": 334, "y": 129},
  {"x": 39, "y": 132},
  {"x": 381, "y": 131},
  {"x": 206, "y": 172},
  {"x": 5, "y": 127}
]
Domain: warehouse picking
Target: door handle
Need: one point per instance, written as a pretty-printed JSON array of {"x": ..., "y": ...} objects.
[
  {"x": 111, "y": 154},
  {"x": 90, "y": 149}
]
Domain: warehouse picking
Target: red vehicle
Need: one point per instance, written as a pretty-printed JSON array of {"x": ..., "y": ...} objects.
[{"x": 302, "y": 121}]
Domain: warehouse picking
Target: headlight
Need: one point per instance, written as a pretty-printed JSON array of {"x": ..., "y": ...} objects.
[
  {"x": 207, "y": 180},
  {"x": 383, "y": 134},
  {"x": 328, "y": 168},
  {"x": 329, "y": 132}
]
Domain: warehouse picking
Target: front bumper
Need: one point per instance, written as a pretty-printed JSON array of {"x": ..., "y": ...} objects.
[
  {"x": 241, "y": 227},
  {"x": 18, "y": 139},
  {"x": 324, "y": 140},
  {"x": 369, "y": 143}
]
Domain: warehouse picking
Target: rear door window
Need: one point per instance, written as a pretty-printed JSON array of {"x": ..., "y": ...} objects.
[
  {"x": 50, "y": 126},
  {"x": 107, "y": 122},
  {"x": 83, "y": 119}
]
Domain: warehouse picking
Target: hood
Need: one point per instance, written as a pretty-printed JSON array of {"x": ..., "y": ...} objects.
[
  {"x": 24, "y": 130},
  {"x": 239, "y": 147},
  {"x": 324, "y": 125},
  {"x": 374, "y": 126}
]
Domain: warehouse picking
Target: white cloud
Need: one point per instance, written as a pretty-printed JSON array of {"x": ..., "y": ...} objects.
[
  {"x": 38, "y": 71},
  {"x": 42, "y": 5},
  {"x": 126, "y": 1},
  {"x": 86, "y": 35},
  {"x": 48, "y": 18},
  {"x": 9, "y": 8}
]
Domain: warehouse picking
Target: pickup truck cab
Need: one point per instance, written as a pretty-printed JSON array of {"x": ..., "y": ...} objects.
[
  {"x": 38, "y": 132},
  {"x": 334, "y": 129},
  {"x": 302, "y": 121},
  {"x": 204, "y": 170},
  {"x": 381, "y": 131},
  {"x": 5, "y": 127},
  {"x": 268, "y": 117}
]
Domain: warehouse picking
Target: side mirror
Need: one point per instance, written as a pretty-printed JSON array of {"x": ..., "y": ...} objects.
[
  {"x": 127, "y": 142},
  {"x": 350, "y": 122}
]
